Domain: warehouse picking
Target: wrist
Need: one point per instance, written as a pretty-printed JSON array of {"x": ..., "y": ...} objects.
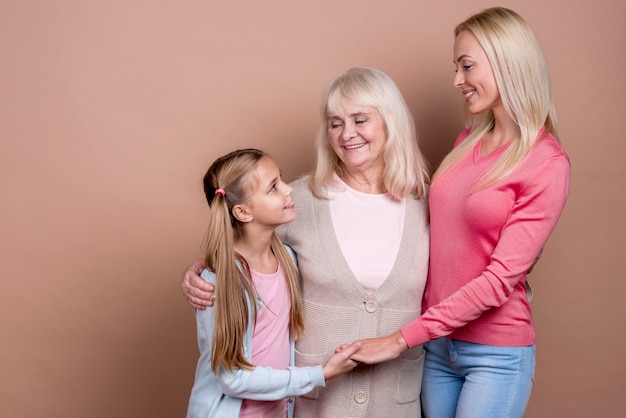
[{"x": 400, "y": 343}]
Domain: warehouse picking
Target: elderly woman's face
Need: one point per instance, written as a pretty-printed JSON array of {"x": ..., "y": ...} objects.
[{"x": 357, "y": 135}]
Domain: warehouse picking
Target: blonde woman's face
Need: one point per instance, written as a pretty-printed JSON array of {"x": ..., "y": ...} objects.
[
  {"x": 474, "y": 75},
  {"x": 357, "y": 135}
]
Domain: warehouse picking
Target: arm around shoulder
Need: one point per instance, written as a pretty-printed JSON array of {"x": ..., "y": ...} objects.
[{"x": 196, "y": 291}]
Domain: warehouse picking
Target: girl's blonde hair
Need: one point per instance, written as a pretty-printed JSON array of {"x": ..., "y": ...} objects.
[
  {"x": 228, "y": 182},
  {"x": 406, "y": 170},
  {"x": 522, "y": 78}
]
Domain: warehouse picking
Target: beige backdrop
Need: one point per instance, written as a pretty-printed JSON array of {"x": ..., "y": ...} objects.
[{"x": 111, "y": 111}]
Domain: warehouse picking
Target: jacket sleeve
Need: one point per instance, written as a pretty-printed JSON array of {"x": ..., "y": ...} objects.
[{"x": 267, "y": 384}]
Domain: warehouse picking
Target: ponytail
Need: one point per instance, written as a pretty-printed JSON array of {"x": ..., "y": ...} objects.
[{"x": 226, "y": 184}]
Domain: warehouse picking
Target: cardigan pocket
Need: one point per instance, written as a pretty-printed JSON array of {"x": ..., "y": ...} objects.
[
  {"x": 411, "y": 369},
  {"x": 309, "y": 360}
]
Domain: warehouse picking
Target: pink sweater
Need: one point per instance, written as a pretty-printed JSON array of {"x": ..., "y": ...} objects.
[{"x": 482, "y": 244}]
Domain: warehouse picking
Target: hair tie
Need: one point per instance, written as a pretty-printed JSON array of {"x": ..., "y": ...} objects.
[{"x": 220, "y": 191}]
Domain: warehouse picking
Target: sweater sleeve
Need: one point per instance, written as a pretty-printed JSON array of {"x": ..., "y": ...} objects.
[{"x": 530, "y": 223}]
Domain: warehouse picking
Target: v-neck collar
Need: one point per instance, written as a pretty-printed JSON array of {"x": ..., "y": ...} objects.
[
  {"x": 493, "y": 154},
  {"x": 395, "y": 280}
]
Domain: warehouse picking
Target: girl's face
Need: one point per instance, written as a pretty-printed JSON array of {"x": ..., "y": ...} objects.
[
  {"x": 270, "y": 202},
  {"x": 474, "y": 75},
  {"x": 357, "y": 135}
]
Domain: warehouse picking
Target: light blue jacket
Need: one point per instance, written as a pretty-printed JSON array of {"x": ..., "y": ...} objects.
[{"x": 220, "y": 396}]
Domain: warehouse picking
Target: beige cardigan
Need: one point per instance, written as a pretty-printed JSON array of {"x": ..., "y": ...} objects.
[{"x": 338, "y": 310}]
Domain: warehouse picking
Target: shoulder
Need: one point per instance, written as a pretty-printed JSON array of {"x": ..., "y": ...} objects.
[
  {"x": 208, "y": 276},
  {"x": 546, "y": 167},
  {"x": 291, "y": 252},
  {"x": 301, "y": 182},
  {"x": 549, "y": 144},
  {"x": 419, "y": 207},
  {"x": 462, "y": 135},
  {"x": 549, "y": 152},
  {"x": 301, "y": 189}
]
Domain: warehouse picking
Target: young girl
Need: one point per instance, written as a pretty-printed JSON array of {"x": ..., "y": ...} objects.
[{"x": 246, "y": 341}]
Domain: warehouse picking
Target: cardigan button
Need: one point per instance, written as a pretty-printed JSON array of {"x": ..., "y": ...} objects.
[
  {"x": 371, "y": 306},
  {"x": 360, "y": 397}
]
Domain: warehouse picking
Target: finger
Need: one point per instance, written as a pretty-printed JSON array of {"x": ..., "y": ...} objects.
[
  {"x": 352, "y": 348},
  {"x": 200, "y": 296},
  {"x": 201, "y": 304},
  {"x": 201, "y": 285},
  {"x": 198, "y": 266},
  {"x": 340, "y": 348}
]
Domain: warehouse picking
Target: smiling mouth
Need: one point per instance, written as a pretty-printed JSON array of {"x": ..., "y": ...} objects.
[
  {"x": 351, "y": 147},
  {"x": 290, "y": 206},
  {"x": 470, "y": 94}
]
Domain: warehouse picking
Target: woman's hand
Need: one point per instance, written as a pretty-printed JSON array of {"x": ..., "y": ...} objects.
[
  {"x": 379, "y": 350},
  {"x": 197, "y": 292},
  {"x": 341, "y": 362}
]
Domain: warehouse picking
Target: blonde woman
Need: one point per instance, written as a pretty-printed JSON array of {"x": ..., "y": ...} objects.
[{"x": 494, "y": 202}]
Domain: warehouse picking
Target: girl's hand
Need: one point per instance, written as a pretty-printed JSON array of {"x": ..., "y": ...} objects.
[
  {"x": 341, "y": 362},
  {"x": 341, "y": 348},
  {"x": 197, "y": 292}
]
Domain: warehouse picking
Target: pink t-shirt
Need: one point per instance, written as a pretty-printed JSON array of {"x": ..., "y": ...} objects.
[
  {"x": 270, "y": 339},
  {"x": 375, "y": 219}
]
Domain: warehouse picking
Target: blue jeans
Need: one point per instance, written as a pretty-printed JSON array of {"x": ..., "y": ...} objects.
[{"x": 467, "y": 380}]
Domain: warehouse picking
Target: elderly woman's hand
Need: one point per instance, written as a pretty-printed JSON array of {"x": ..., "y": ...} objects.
[{"x": 197, "y": 292}]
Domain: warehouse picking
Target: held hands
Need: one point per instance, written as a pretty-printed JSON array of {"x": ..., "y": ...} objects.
[
  {"x": 378, "y": 350},
  {"x": 341, "y": 362},
  {"x": 197, "y": 292}
]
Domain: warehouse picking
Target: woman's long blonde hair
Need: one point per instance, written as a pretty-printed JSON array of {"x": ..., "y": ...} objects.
[
  {"x": 523, "y": 82},
  {"x": 406, "y": 170},
  {"x": 234, "y": 288}
]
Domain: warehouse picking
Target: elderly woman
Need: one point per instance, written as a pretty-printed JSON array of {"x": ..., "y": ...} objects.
[{"x": 362, "y": 239}]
